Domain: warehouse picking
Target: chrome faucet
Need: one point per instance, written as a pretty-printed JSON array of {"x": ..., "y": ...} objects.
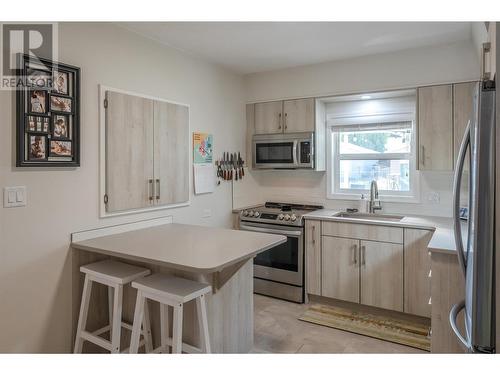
[{"x": 374, "y": 201}]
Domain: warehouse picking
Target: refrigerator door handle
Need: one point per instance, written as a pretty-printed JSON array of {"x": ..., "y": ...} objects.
[
  {"x": 455, "y": 310},
  {"x": 456, "y": 198}
]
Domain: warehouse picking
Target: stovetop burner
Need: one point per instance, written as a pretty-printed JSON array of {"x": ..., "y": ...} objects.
[{"x": 278, "y": 213}]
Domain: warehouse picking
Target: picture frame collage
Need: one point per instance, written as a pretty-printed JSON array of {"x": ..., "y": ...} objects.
[{"x": 48, "y": 126}]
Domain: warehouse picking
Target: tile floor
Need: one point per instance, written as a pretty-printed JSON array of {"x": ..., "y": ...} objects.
[{"x": 278, "y": 330}]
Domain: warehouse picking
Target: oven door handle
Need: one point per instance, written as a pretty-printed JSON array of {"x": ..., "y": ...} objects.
[{"x": 271, "y": 231}]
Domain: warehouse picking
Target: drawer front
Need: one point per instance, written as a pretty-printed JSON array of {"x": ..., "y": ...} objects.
[{"x": 363, "y": 231}]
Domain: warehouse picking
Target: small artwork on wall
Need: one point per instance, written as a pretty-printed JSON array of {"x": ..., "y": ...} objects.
[
  {"x": 60, "y": 148},
  {"x": 60, "y": 126},
  {"x": 48, "y": 114},
  {"x": 38, "y": 101},
  {"x": 37, "y": 147},
  {"x": 61, "y": 82},
  {"x": 60, "y": 104}
]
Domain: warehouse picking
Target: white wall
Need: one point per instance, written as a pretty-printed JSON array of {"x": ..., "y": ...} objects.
[
  {"x": 404, "y": 69},
  {"x": 35, "y": 259},
  {"x": 409, "y": 68}
]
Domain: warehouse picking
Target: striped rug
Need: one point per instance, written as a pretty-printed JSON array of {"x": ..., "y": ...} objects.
[{"x": 381, "y": 327}]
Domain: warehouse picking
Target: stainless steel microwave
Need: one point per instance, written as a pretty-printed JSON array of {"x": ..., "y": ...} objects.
[{"x": 283, "y": 151}]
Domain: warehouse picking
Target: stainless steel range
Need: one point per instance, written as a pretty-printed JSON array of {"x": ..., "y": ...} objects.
[{"x": 279, "y": 271}]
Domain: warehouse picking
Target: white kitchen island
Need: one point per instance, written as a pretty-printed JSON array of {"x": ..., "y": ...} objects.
[{"x": 221, "y": 257}]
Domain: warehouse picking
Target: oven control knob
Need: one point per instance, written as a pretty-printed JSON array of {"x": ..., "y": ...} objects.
[
  {"x": 281, "y": 217},
  {"x": 256, "y": 214},
  {"x": 250, "y": 213},
  {"x": 293, "y": 217},
  {"x": 245, "y": 213},
  {"x": 287, "y": 217}
]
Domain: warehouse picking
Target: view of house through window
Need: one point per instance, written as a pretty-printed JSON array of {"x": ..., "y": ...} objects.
[
  {"x": 380, "y": 155},
  {"x": 377, "y": 146}
]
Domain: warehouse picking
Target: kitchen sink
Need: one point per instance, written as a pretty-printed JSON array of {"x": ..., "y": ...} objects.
[{"x": 367, "y": 216}]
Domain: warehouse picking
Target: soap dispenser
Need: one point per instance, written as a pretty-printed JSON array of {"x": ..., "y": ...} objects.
[{"x": 363, "y": 204}]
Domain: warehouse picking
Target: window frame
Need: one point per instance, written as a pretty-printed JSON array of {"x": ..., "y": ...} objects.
[{"x": 333, "y": 165}]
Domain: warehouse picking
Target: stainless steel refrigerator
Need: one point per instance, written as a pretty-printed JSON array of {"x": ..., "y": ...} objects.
[{"x": 476, "y": 253}]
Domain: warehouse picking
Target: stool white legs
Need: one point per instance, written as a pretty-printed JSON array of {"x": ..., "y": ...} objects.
[
  {"x": 84, "y": 311},
  {"x": 165, "y": 328},
  {"x": 201, "y": 309},
  {"x": 110, "y": 309},
  {"x": 117, "y": 319},
  {"x": 136, "y": 327},
  {"x": 146, "y": 326},
  {"x": 177, "y": 329}
]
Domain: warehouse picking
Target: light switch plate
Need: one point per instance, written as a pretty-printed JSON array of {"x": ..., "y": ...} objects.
[{"x": 14, "y": 196}]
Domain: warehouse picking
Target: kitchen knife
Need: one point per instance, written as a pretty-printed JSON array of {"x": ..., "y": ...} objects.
[
  {"x": 236, "y": 172},
  {"x": 231, "y": 166}
]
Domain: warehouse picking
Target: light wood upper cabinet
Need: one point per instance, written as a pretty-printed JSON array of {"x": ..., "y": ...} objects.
[
  {"x": 417, "y": 283},
  {"x": 382, "y": 275},
  {"x": 171, "y": 161},
  {"x": 435, "y": 128},
  {"x": 268, "y": 118},
  {"x": 463, "y": 112},
  {"x": 129, "y": 157},
  {"x": 298, "y": 115},
  {"x": 145, "y": 153},
  {"x": 340, "y": 268},
  {"x": 313, "y": 256}
]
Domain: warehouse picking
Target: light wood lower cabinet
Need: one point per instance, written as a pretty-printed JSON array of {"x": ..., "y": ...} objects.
[
  {"x": 313, "y": 256},
  {"x": 340, "y": 268},
  {"x": 417, "y": 283},
  {"x": 447, "y": 289},
  {"x": 382, "y": 275},
  {"x": 376, "y": 265}
]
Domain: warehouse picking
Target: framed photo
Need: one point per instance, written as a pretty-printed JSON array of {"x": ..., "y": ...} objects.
[
  {"x": 61, "y": 82},
  {"x": 37, "y": 147},
  {"x": 60, "y": 127},
  {"x": 39, "y": 79},
  {"x": 47, "y": 114},
  {"x": 60, "y": 148},
  {"x": 61, "y": 104},
  {"x": 38, "y": 124},
  {"x": 38, "y": 101}
]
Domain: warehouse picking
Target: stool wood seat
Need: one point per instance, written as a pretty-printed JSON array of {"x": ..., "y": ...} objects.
[
  {"x": 171, "y": 291},
  {"x": 115, "y": 275}
]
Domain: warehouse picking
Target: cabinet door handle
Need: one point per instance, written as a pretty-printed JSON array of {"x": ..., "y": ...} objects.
[
  {"x": 354, "y": 255},
  {"x": 422, "y": 148},
  {"x": 279, "y": 121},
  {"x": 314, "y": 234},
  {"x": 150, "y": 189},
  {"x": 286, "y": 117},
  {"x": 485, "y": 50},
  {"x": 363, "y": 255},
  {"x": 157, "y": 189}
]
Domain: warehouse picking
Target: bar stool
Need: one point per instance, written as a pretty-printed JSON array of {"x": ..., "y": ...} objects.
[
  {"x": 175, "y": 292},
  {"x": 115, "y": 275}
]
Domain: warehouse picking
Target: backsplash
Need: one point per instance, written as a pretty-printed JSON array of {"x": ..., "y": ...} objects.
[{"x": 436, "y": 191}]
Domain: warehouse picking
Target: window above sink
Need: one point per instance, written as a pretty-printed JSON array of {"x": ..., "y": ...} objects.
[{"x": 373, "y": 139}]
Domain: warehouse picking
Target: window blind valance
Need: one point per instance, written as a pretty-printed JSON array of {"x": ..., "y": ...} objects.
[{"x": 400, "y": 125}]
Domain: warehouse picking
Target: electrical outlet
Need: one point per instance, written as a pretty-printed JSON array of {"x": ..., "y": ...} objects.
[
  {"x": 433, "y": 197},
  {"x": 207, "y": 212}
]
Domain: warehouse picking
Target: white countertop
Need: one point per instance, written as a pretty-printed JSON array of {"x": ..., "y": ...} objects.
[{"x": 186, "y": 247}]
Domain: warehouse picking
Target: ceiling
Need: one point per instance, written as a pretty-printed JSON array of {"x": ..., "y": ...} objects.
[{"x": 248, "y": 47}]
